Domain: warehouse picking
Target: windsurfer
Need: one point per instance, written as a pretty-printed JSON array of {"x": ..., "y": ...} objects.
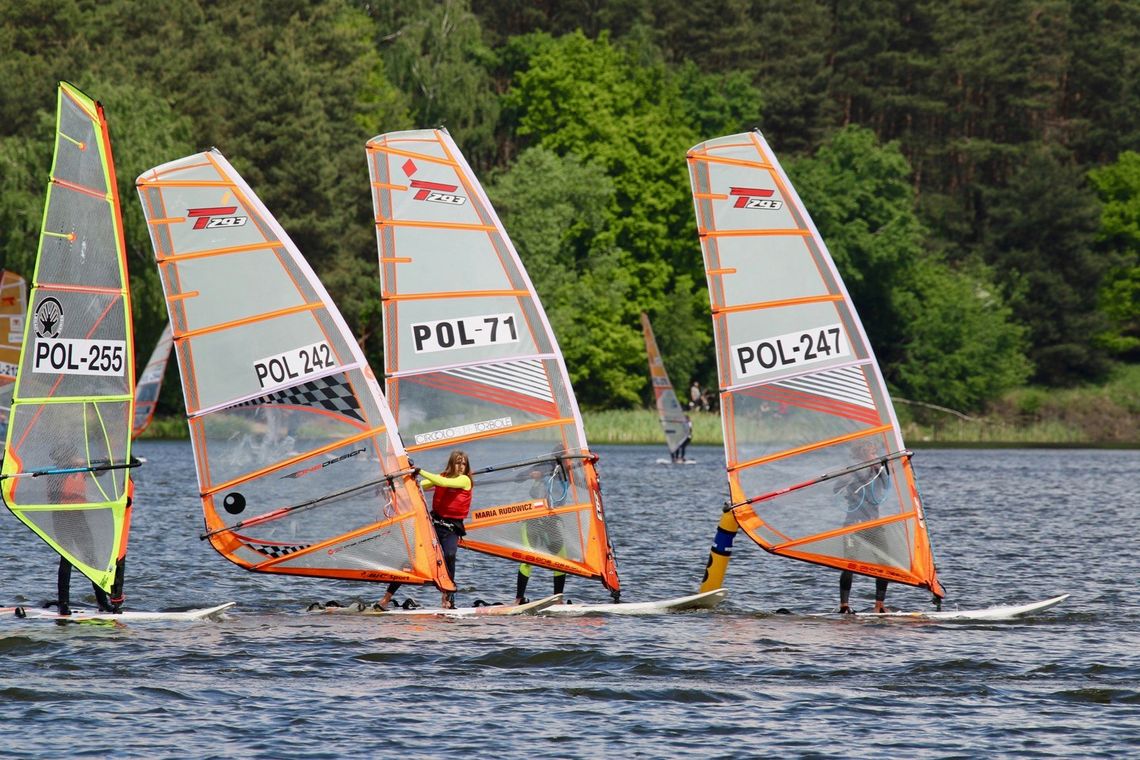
[
  {"x": 450, "y": 505},
  {"x": 679, "y": 454},
  {"x": 545, "y": 532},
  {"x": 72, "y": 489},
  {"x": 864, "y": 491}
]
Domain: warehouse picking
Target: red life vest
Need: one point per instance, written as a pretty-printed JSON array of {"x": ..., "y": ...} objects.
[{"x": 453, "y": 503}]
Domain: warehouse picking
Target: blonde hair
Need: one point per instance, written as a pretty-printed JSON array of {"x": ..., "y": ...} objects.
[{"x": 454, "y": 467}]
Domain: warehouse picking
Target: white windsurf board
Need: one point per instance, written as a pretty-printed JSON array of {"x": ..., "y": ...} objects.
[
  {"x": 490, "y": 610},
  {"x": 1001, "y": 612},
  {"x": 704, "y": 601},
  {"x": 81, "y": 615}
]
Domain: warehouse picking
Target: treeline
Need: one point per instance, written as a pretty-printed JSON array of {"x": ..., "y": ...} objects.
[{"x": 972, "y": 164}]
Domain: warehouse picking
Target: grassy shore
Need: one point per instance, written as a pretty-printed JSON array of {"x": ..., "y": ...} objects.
[{"x": 1105, "y": 415}]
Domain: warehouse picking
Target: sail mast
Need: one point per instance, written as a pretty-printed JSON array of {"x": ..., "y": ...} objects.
[
  {"x": 69, "y": 445},
  {"x": 816, "y": 463}
]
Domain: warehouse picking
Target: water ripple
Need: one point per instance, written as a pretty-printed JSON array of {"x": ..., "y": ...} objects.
[{"x": 271, "y": 681}]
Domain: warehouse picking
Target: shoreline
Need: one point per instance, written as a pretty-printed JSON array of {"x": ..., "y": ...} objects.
[{"x": 639, "y": 427}]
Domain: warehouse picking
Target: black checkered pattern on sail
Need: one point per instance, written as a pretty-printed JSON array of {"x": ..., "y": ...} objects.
[
  {"x": 330, "y": 392},
  {"x": 275, "y": 550}
]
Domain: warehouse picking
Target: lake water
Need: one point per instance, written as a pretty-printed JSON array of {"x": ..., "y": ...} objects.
[{"x": 268, "y": 682}]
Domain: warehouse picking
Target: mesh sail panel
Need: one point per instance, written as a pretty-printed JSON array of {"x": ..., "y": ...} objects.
[
  {"x": 471, "y": 361},
  {"x": 816, "y": 464}
]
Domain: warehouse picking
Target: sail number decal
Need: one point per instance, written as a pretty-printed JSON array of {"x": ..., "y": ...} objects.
[
  {"x": 294, "y": 365},
  {"x": 796, "y": 349},
  {"x": 464, "y": 332},
  {"x": 7, "y": 369},
  {"x": 63, "y": 356}
]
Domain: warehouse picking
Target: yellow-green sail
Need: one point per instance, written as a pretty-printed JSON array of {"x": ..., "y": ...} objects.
[{"x": 69, "y": 435}]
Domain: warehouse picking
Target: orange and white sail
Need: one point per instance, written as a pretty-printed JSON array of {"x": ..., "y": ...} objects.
[
  {"x": 13, "y": 304},
  {"x": 150, "y": 383},
  {"x": 817, "y": 467},
  {"x": 472, "y": 364},
  {"x": 300, "y": 468},
  {"x": 669, "y": 411}
]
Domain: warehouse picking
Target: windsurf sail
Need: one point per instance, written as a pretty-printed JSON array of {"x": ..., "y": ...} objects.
[
  {"x": 472, "y": 364},
  {"x": 69, "y": 435},
  {"x": 300, "y": 468},
  {"x": 669, "y": 411},
  {"x": 146, "y": 394},
  {"x": 817, "y": 468},
  {"x": 13, "y": 304}
]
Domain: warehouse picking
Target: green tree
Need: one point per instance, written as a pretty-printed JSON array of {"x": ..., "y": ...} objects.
[
  {"x": 42, "y": 42},
  {"x": 1039, "y": 237},
  {"x": 435, "y": 53},
  {"x": 860, "y": 197},
  {"x": 635, "y": 120},
  {"x": 961, "y": 346},
  {"x": 555, "y": 209},
  {"x": 941, "y": 335},
  {"x": 1118, "y": 239}
]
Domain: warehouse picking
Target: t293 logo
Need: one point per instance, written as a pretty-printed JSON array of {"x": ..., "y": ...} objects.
[{"x": 215, "y": 217}]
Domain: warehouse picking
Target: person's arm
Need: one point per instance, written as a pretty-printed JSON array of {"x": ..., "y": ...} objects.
[{"x": 459, "y": 481}]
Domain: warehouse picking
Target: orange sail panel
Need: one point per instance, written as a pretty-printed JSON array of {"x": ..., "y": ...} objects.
[
  {"x": 673, "y": 419},
  {"x": 13, "y": 304},
  {"x": 146, "y": 393},
  {"x": 817, "y": 467},
  {"x": 472, "y": 362},
  {"x": 300, "y": 468}
]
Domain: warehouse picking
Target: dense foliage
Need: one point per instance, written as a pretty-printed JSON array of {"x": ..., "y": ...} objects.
[{"x": 972, "y": 165}]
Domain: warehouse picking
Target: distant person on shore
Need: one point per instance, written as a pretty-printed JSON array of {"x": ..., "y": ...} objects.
[
  {"x": 450, "y": 505},
  {"x": 695, "y": 395}
]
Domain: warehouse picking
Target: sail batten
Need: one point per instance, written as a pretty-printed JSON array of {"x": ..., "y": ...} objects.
[
  {"x": 472, "y": 361},
  {"x": 282, "y": 407},
  {"x": 804, "y": 405}
]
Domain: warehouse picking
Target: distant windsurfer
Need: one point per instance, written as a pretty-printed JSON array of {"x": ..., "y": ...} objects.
[
  {"x": 450, "y": 505},
  {"x": 864, "y": 491},
  {"x": 679, "y": 453}
]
